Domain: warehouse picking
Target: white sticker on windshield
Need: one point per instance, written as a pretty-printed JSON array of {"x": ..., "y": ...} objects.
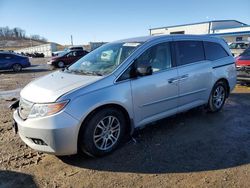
[{"x": 131, "y": 44}]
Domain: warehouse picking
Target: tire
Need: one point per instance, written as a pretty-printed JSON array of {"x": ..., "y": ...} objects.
[
  {"x": 60, "y": 64},
  {"x": 102, "y": 133},
  {"x": 17, "y": 67},
  {"x": 217, "y": 97}
]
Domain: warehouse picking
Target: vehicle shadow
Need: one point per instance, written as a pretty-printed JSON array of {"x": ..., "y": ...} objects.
[
  {"x": 188, "y": 142},
  {"x": 32, "y": 69},
  {"x": 16, "y": 179}
]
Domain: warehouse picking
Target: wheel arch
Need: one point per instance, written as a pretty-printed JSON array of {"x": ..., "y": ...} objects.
[{"x": 129, "y": 121}]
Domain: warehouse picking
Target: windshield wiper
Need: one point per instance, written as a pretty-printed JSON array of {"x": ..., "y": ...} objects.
[
  {"x": 65, "y": 69},
  {"x": 97, "y": 73},
  {"x": 85, "y": 72},
  {"x": 92, "y": 73}
]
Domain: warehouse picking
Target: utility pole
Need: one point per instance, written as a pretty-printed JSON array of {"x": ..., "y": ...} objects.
[
  {"x": 30, "y": 42},
  {"x": 71, "y": 40}
]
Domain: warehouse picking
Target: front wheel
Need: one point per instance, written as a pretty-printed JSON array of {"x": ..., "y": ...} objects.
[
  {"x": 102, "y": 133},
  {"x": 60, "y": 64},
  {"x": 217, "y": 97}
]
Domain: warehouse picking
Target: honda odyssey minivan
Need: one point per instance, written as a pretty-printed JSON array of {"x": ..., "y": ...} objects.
[{"x": 91, "y": 105}]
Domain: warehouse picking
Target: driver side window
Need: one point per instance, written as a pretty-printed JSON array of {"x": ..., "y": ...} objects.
[{"x": 158, "y": 57}]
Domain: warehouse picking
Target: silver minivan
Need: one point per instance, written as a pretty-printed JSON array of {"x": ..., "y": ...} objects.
[{"x": 91, "y": 105}]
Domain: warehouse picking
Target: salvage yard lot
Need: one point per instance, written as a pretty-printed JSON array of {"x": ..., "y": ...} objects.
[{"x": 188, "y": 150}]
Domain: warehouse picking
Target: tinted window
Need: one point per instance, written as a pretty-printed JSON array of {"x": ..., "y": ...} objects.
[
  {"x": 214, "y": 51},
  {"x": 189, "y": 52},
  {"x": 158, "y": 56}
]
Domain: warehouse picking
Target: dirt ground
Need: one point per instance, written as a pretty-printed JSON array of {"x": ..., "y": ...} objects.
[{"x": 192, "y": 149}]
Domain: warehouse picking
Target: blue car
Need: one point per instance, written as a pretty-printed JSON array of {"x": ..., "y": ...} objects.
[{"x": 13, "y": 61}]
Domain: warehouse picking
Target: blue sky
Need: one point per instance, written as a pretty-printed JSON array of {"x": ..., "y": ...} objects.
[{"x": 108, "y": 20}]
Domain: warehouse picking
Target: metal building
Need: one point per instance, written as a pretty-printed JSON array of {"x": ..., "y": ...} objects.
[{"x": 230, "y": 30}]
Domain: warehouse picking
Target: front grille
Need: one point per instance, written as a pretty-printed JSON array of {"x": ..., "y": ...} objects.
[
  {"x": 243, "y": 68},
  {"x": 24, "y": 108}
]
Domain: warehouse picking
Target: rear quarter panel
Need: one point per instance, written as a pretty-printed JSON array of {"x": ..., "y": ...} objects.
[{"x": 225, "y": 68}]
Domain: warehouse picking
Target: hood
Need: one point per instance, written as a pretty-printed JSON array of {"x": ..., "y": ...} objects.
[{"x": 50, "y": 87}]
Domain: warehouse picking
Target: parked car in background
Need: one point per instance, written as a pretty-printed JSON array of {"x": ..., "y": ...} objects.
[
  {"x": 238, "y": 48},
  {"x": 71, "y": 48},
  {"x": 243, "y": 66},
  {"x": 74, "y": 48},
  {"x": 66, "y": 58},
  {"x": 13, "y": 61},
  {"x": 121, "y": 86}
]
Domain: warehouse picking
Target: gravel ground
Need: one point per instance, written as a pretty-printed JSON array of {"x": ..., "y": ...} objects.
[{"x": 192, "y": 149}]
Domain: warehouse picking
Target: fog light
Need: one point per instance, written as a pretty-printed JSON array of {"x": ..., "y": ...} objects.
[{"x": 38, "y": 141}]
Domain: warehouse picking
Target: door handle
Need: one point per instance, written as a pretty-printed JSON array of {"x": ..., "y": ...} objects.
[
  {"x": 184, "y": 77},
  {"x": 172, "y": 80}
]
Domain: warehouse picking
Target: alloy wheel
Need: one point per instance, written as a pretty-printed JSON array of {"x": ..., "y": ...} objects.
[
  {"x": 218, "y": 96},
  {"x": 107, "y": 132}
]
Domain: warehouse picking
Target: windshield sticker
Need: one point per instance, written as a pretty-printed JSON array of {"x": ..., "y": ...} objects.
[{"x": 131, "y": 44}]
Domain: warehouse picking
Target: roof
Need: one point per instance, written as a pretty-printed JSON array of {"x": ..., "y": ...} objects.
[
  {"x": 153, "y": 37},
  {"x": 211, "y": 21},
  {"x": 137, "y": 39}
]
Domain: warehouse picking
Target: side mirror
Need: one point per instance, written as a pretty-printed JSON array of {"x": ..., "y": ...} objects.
[{"x": 144, "y": 69}]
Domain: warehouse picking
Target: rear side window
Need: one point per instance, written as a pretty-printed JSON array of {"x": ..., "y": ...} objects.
[
  {"x": 189, "y": 52},
  {"x": 214, "y": 51}
]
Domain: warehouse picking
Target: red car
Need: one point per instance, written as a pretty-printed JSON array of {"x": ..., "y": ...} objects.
[
  {"x": 243, "y": 66},
  {"x": 66, "y": 58}
]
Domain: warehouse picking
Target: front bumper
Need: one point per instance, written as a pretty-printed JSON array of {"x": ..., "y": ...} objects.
[
  {"x": 243, "y": 73},
  {"x": 49, "y": 62},
  {"x": 55, "y": 134}
]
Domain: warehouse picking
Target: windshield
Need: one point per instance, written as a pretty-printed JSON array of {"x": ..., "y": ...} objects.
[
  {"x": 104, "y": 59},
  {"x": 62, "y": 54},
  {"x": 238, "y": 46}
]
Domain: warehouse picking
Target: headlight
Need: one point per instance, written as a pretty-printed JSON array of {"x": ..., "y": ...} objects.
[{"x": 42, "y": 110}]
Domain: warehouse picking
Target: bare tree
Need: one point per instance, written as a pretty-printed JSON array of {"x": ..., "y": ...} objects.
[{"x": 6, "y": 32}]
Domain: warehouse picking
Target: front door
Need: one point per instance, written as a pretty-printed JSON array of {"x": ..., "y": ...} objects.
[{"x": 155, "y": 96}]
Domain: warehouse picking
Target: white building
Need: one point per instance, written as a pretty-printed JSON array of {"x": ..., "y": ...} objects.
[
  {"x": 230, "y": 30},
  {"x": 46, "y": 49}
]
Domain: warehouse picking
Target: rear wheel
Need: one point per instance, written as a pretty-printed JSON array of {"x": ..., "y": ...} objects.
[
  {"x": 102, "y": 133},
  {"x": 17, "y": 67},
  {"x": 60, "y": 64},
  {"x": 217, "y": 97}
]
